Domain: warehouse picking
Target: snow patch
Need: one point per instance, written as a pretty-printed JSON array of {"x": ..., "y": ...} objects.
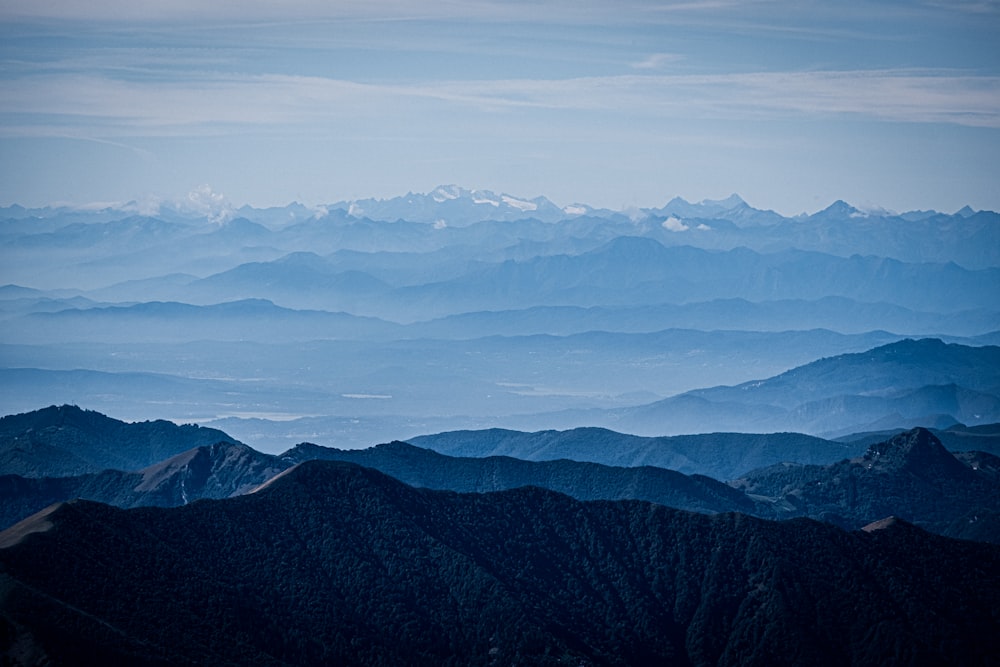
[
  {"x": 446, "y": 192},
  {"x": 573, "y": 209},
  {"x": 519, "y": 204}
]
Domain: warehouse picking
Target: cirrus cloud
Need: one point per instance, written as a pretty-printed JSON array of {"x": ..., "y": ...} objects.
[{"x": 209, "y": 104}]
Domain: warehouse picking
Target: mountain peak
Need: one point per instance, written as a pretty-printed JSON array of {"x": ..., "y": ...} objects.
[
  {"x": 217, "y": 470},
  {"x": 730, "y": 202},
  {"x": 325, "y": 479},
  {"x": 841, "y": 209},
  {"x": 706, "y": 208},
  {"x": 444, "y": 193},
  {"x": 917, "y": 450},
  {"x": 453, "y": 205}
]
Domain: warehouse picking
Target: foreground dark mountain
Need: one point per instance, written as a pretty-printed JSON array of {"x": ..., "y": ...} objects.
[
  {"x": 65, "y": 440},
  {"x": 335, "y": 564},
  {"x": 911, "y": 476}
]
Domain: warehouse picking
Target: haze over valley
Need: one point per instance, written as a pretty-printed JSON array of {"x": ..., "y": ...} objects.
[{"x": 460, "y": 309}]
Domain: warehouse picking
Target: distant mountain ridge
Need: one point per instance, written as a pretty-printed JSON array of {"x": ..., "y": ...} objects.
[
  {"x": 451, "y": 204},
  {"x": 901, "y": 384},
  {"x": 331, "y": 563},
  {"x": 721, "y": 456},
  {"x": 907, "y": 383},
  {"x": 506, "y": 312},
  {"x": 967, "y": 237}
]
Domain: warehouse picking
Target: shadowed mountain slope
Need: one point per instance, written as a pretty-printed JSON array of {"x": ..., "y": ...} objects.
[
  {"x": 956, "y": 438},
  {"x": 65, "y": 440},
  {"x": 911, "y": 475},
  {"x": 224, "y": 470},
  {"x": 330, "y": 563},
  {"x": 718, "y": 455},
  {"x": 211, "y": 471},
  {"x": 585, "y": 481}
]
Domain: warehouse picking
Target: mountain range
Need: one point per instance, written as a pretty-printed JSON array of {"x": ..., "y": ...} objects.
[
  {"x": 526, "y": 383},
  {"x": 906, "y": 383},
  {"x": 910, "y": 475},
  {"x": 698, "y": 434},
  {"x": 331, "y": 563},
  {"x": 371, "y": 321}
]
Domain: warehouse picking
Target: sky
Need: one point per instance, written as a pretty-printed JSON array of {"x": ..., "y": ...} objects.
[{"x": 792, "y": 104}]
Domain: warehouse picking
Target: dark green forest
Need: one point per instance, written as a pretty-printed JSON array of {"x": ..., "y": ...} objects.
[{"x": 331, "y": 563}]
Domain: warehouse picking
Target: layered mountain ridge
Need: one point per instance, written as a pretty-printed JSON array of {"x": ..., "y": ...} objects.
[
  {"x": 470, "y": 309},
  {"x": 910, "y": 475}
]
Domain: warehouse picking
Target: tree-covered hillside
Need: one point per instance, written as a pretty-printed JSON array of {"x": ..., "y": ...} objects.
[{"x": 331, "y": 563}]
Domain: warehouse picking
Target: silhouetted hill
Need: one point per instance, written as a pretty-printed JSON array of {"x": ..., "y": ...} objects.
[
  {"x": 66, "y": 440},
  {"x": 911, "y": 476},
  {"x": 215, "y": 471},
  {"x": 719, "y": 455},
  {"x": 331, "y": 563},
  {"x": 224, "y": 469},
  {"x": 956, "y": 438},
  {"x": 211, "y": 471},
  {"x": 585, "y": 481}
]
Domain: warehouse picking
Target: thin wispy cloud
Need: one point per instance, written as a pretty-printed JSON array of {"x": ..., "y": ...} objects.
[
  {"x": 657, "y": 61},
  {"x": 209, "y": 104}
]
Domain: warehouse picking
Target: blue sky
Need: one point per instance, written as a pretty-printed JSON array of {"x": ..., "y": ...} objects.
[{"x": 791, "y": 104}]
